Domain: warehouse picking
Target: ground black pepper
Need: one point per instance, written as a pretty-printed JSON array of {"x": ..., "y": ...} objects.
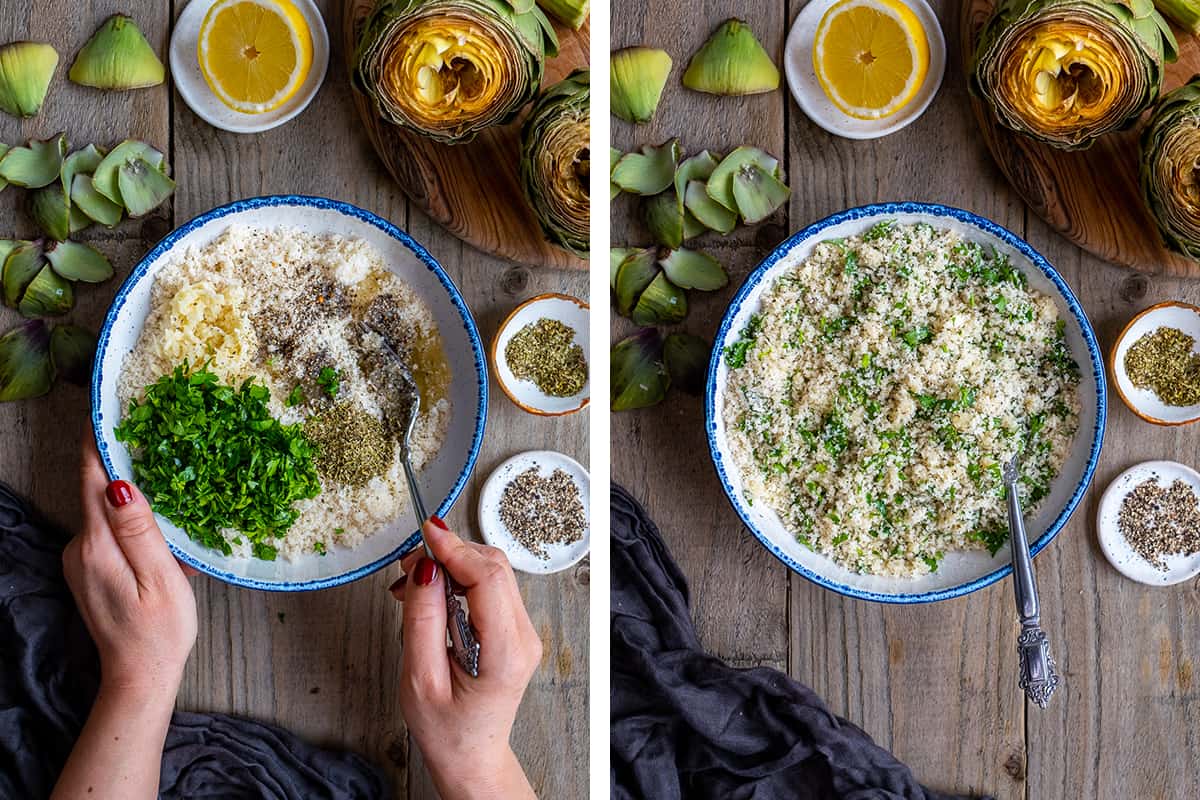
[
  {"x": 1160, "y": 521},
  {"x": 540, "y": 511},
  {"x": 545, "y": 352}
]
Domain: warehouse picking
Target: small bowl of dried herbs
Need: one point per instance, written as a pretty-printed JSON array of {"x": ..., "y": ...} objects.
[
  {"x": 539, "y": 355},
  {"x": 1148, "y": 523},
  {"x": 1155, "y": 364}
]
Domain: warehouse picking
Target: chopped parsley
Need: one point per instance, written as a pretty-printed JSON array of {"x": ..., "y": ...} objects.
[
  {"x": 330, "y": 380},
  {"x": 879, "y": 230},
  {"x": 211, "y": 458},
  {"x": 295, "y": 397},
  {"x": 735, "y": 354}
]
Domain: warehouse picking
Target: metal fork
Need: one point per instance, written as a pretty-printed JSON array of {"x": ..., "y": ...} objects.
[
  {"x": 1038, "y": 677},
  {"x": 402, "y": 411}
]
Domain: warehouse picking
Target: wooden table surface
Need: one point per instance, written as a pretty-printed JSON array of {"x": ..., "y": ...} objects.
[
  {"x": 324, "y": 664},
  {"x": 937, "y": 684}
]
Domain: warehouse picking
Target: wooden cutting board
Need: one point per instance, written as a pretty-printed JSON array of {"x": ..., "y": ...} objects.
[
  {"x": 472, "y": 190},
  {"x": 1092, "y": 196}
]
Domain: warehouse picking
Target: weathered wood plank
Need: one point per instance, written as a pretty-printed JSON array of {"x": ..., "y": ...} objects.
[{"x": 660, "y": 454}]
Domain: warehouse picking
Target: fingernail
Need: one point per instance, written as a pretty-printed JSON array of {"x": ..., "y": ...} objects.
[
  {"x": 398, "y": 585},
  {"x": 119, "y": 493},
  {"x": 426, "y": 571},
  {"x": 438, "y": 521}
]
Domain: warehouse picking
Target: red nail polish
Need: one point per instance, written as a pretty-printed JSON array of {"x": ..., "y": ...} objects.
[
  {"x": 119, "y": 493},
  {"x": 426, "y": 572},
  {"x": 398, "y": 585},
  {"x": 436, "y": 520}
]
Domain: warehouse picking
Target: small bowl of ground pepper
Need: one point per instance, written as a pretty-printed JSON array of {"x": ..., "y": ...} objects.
[
  {"x": 539, "y": 355},
  {"x": 1155, "y": 364},
  {"x": 1148, "y": 523}
]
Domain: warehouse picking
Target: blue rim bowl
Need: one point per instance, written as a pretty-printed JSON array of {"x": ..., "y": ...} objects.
[
  {"x": 960, "y": 573},
  {"x": 355, "y": 217}
]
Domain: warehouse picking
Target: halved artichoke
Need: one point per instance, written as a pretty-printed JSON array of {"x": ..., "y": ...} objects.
[
  {"x": 556, "y": 161},
  {"x": 1066, "y": 72},
  {"x": 1170, "y": 155},
  {"x": 447, "y": 69}
]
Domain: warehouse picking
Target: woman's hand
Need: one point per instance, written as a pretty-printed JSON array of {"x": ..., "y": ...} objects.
[
  {"x": 138, "y": 606},
  {"x": 462, "y": 724},
  {"x": 133, "y": 595}
]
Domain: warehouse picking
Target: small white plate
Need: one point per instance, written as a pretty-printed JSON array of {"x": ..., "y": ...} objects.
[
  {"x": 1124, "y": 558},
  {"x": 570, "y": 311},
  {"x": 496, "y": 534},
  {"x": 185, "y": 71},
  {"x": 1144, "y": 402},
  {"x": 802, "y": 78}
]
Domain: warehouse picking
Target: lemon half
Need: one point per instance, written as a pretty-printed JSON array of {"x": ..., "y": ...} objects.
[
  {"x": 870, "y": 56},
  {"x": 254, "y": 54}
]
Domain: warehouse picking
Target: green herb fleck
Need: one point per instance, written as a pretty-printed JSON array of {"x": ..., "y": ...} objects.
[{"x": 330, "y": 380}]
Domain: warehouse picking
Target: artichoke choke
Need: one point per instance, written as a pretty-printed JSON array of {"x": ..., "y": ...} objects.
[
  {"x": 1066, "y": 72},
  {"x": 447, "y": 69}
]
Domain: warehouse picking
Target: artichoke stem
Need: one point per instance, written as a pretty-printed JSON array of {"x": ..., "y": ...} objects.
[
  {"x": 571, "y": 13},
  {"x": 1184, "y": 13}
]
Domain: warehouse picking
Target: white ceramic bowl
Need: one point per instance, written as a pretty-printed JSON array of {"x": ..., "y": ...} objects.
[
  {"x": 806, "y": 89},
  {"x": 959, "y": 572},
  {"x": 1116, "y": 549},
  {"x": 572, "y": 312},
  {"x": 441, "y": 481},
  {"x": 195, "y": 91},
  {"x": 494, "y": 532},
  {"x": 1144, "y": 402}
]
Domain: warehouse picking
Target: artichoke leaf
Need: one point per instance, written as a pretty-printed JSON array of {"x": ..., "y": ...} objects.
[
  {"x": 686, "y": 358},
  {"x": 634, "y": 274},
  {"x": 637, "y": 77},
  {"x": 720, "y": 182},
  {"x": 22, "y": 264},
  {"x": 36, "y": 165},
  {"x": 26, "y": 369},
  {"x": 662, "y": 303},
  {"x": 105, "y": 177},
  {"x": 51, "y": 210},
  {"x": 143, "y": 187},
  {"x": 71, "y": 352},
  {"x": 117, "y": 57},
  {"x": 664, "y": 219},
  {"x": 757, "y": 193},
  {"x": 732, "y": 62},
  {"x": 692, "y": 269},
  {"x": 96, "y": 206},
  {"x": 26, "y": 69},
  {"x": 47, "y": 295},
  {"x": 708, "y": 212},
  {"x": 637, "y": 376},
  {"x": 616, "y": 255},
  {"x": 649, "y": 172},
  {"x": 76, "y": 261}
]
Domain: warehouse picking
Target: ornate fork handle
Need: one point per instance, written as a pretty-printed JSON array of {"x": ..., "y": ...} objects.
[
  {"x": 1038, "y": 677},
  {"x": 463, "y": 641}
]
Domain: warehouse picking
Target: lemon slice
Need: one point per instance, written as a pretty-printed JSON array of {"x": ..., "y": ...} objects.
[
  {"x": 870, "y": 56},
  {"x": 254, "y": 54}
]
